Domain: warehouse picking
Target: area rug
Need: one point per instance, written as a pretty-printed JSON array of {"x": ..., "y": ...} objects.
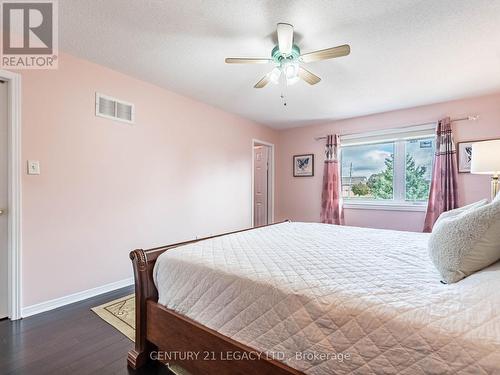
[{"x": 120, "y": 313}]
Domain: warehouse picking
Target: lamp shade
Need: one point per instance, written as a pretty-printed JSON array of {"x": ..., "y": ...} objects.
[{"x": 486, "y": 157}]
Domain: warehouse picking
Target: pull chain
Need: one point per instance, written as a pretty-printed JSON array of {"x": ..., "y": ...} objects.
[{"x": 283, "y": 89}]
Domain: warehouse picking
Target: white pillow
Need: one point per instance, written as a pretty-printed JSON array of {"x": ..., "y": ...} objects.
[
  {"x": 458, "y": 211},
  {"x": 462, "y": 244}
]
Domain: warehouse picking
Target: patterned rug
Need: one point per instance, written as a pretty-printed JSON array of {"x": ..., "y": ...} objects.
[{"x": 120, "y": 313}]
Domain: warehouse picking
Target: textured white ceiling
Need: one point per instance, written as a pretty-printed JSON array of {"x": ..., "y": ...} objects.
[{"x": 404, "y": 53}]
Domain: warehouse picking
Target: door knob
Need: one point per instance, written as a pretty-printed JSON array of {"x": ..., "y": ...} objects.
[{"x": 3, "y": 211}]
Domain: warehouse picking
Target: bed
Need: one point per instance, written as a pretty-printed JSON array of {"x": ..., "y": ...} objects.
[{"x": 308, "y": 298}]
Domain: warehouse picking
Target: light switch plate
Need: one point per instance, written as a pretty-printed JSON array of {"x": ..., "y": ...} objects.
[{"x": 33, "y": 167}]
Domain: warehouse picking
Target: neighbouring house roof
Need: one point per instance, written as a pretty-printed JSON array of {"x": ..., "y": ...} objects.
[{"x": 353, "y": 180}]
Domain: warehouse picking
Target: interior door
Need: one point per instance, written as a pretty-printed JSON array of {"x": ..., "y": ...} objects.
[
  {"x": 261, "y": 185},
  {"x": 3, "y": 200}
]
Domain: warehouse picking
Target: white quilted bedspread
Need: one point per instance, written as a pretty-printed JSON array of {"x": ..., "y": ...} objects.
[{"x": 371, "y": 295}]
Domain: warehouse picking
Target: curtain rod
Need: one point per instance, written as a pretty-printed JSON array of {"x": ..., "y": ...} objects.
[{"x": 467, "y": 118}]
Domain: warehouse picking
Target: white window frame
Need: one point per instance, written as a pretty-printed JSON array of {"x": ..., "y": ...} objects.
[{"x": 398, "y": 136}]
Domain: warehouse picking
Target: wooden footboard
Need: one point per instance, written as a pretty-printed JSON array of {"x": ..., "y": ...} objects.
[{"x": 164, "y": 335}]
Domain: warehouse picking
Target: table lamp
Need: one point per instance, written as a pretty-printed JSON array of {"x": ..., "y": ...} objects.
[{"x": 486, "y": 160}]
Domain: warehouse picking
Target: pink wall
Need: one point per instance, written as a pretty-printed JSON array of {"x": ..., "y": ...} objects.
[
  {"x": 183, "y": 170},
  {"x": 299, "y": 198}
]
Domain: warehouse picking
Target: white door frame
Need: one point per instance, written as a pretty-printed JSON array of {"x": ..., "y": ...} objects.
[
  {"x": 271, "y": 179},
  {"x": 14, "y": 205}
]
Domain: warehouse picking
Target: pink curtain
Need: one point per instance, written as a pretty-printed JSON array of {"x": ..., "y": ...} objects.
[
  {"x": 331, "y": 202},
  {"x": 443, "y": 193}
]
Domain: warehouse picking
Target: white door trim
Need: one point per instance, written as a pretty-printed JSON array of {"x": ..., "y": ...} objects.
[
  {"x": 271, "y": 195},
  {"x": 14, "y": 207}
]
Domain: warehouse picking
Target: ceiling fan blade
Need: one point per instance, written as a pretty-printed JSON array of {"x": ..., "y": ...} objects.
[
  {"x": 246, "y": 60},
  {"x": 307, "y": 76},
  {"x": 325, "y": 54},
  {"x": 264, "y": 81},
  {"x": 285, "y": 38}
]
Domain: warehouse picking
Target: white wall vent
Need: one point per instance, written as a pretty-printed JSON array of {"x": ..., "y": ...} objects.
[{"x": 114, "y": 109}]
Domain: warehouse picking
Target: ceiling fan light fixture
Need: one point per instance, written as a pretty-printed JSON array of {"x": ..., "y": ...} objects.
[
  {"x": 274, "y": 76},
  {"x": 292, "y": 81},
  {"x": 289, "y": 61},
  {"x": 291, "y": 69}
]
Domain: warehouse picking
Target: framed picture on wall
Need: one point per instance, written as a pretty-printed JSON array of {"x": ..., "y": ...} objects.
[
  {"x": 303, "y": 165},
  {"x": 464, "y": 155}
]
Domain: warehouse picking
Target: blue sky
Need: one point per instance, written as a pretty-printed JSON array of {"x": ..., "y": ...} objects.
[
  {"x": 369, "y": 159},
  {"x": 366, "y": 160},
  {"x": 422, "y": 156}
]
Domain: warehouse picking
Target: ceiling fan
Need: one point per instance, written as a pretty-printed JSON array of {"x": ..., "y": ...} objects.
[{"x": 288, "y": 60}]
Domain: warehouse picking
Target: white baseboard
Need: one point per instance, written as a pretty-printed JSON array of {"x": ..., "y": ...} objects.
[{"x": 75, "y": 297}]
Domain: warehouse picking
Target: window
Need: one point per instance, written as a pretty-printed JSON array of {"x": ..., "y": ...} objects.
[
  {"x": 390, "y": 168},
  {"x": 419, "y": 155},
  {"x": 368, "y": 172}
]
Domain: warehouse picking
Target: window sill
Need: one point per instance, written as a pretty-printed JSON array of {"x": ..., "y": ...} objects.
[{"x": 416, "y": 207}]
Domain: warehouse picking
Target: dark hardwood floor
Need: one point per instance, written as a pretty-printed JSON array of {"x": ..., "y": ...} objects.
[{"x": 69, "y": 340}]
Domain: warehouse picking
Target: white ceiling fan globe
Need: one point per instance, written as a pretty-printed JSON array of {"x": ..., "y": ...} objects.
[
  {"x": 275, "y": 75},
  {"x": 291, "y": 71}
]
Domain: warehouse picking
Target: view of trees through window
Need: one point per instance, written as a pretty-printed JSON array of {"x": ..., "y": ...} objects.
[
  {"x": 368, "y": 171},
  {"x": 418, "y": 170}
]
